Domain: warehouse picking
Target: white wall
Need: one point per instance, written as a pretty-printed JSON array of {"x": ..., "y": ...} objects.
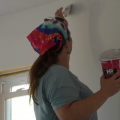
[{"x": 95, "y": 27}]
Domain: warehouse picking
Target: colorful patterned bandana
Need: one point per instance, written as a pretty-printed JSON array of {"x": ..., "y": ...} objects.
[{"x": 47, "y": 35}]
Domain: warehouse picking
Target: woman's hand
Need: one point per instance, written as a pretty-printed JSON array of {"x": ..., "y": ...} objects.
[
  {"x": 59, "y": 13},
  {"x": 110, "y": 86}
]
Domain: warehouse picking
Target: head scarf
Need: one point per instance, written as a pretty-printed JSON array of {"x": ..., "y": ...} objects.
[{"x": 47, "y": 35}]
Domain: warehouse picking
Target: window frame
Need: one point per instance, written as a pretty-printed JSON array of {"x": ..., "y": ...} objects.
[{"x": 12, "y": 80}]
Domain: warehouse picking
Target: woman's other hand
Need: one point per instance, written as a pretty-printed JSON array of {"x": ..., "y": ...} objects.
[{"x": 59, "y": 13}]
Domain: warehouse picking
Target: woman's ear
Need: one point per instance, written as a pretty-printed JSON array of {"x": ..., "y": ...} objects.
[{"x": 67, "y": 44}]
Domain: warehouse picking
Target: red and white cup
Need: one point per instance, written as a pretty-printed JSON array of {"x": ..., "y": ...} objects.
[{"x": 110, "y": 61}]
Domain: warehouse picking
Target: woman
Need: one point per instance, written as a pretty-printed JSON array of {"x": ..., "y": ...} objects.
[{"x": 57, "y": 93}]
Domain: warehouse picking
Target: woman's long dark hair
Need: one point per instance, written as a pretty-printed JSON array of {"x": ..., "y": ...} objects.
[{"x": 39, "y": 68}]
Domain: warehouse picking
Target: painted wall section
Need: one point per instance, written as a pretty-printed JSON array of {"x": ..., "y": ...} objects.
[{"x": 94, "y": 27}]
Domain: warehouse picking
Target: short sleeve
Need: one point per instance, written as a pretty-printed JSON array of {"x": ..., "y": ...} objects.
[
  {"x": 62, "y": 95},
  {"x": 62, "y": 89}
]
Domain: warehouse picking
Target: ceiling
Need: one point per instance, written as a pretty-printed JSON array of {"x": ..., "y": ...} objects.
[{"x": 11, "y": 6}]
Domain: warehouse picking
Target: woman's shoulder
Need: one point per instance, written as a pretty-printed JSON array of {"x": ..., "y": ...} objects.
[
  {"x": 56, "y": 66},
  {"x": 55, "y": 71},
  {"x": 58, "y": 75},
  {"x": 59, "y": 70}
]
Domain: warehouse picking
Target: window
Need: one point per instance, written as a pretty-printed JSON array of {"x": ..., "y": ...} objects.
[{"x": 15, "y": 100}]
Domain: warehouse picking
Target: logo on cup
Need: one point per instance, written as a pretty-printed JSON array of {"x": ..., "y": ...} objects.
[{"x": 109, "y": 72}]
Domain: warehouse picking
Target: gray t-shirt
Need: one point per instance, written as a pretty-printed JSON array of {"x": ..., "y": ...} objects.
[{"x": 58, "y": 87}]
